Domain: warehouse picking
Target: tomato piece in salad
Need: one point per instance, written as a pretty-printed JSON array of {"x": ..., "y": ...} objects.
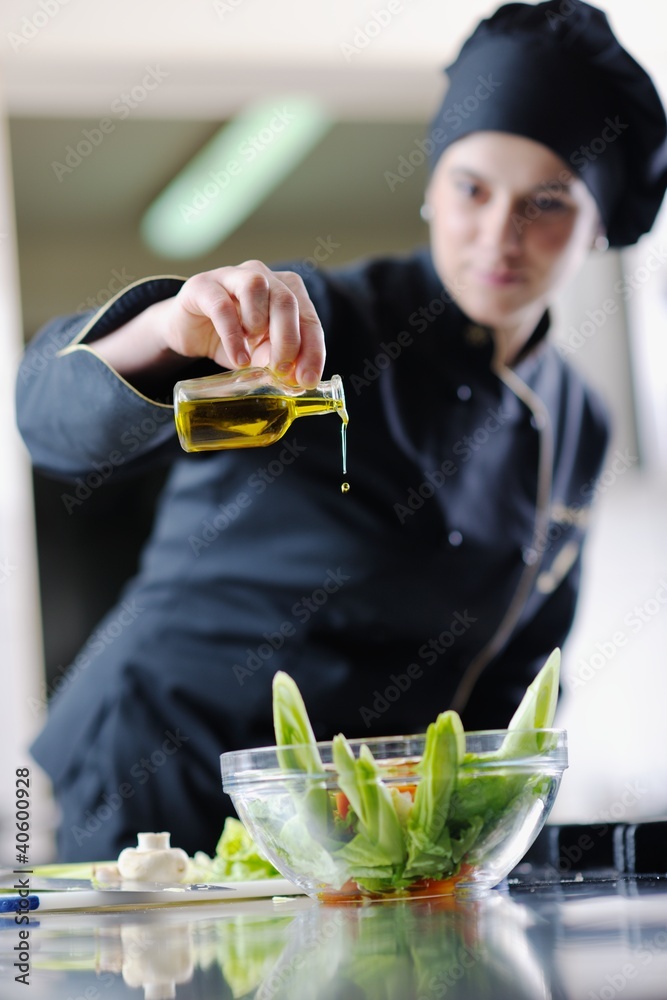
[{"x": 342, "y": 804}]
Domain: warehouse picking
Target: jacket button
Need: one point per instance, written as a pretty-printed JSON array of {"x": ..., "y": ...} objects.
[
  {"x": 455, "y": 538},
  {"x": 477, "y": 336},
  {"x": 529, "y": 555},
  {"x": 464, "y": 392}
]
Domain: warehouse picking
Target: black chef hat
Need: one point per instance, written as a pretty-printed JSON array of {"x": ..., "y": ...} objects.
[{"x": 556, "y": 73}]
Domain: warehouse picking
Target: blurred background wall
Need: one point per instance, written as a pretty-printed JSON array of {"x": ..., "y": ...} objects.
[{"x": 164, "y": 77}]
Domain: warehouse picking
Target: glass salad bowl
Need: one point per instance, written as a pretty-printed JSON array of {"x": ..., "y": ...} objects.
[{"x": 398, "y": 817}]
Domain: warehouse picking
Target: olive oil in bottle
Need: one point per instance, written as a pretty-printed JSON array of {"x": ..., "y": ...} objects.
[
  {"x": 250, "y": 408},
  {"x": 245, "y": 421}
]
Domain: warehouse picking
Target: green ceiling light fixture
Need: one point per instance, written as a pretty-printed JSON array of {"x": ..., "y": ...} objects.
[{"x": 226, "y": 181}]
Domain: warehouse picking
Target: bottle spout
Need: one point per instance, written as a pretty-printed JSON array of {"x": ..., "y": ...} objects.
[{"x": 333, "y": 389}]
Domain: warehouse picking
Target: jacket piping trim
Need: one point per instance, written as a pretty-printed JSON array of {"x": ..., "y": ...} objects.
[
  {"x": 76, "y": 344},
  {"x": 548, "y": 580},
  {"x": 89, "y": 350},
  {"x": 509, "y": 621}
]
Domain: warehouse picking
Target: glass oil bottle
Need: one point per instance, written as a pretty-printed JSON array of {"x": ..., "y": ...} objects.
[{"x": 249, "y": 408}]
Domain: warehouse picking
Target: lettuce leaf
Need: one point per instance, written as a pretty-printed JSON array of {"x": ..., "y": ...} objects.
[
  {"x": 537, "y": 710},
  {"x": 237, "y": 858},
  {"x": 378, "y": 825},
  {"x": 297, "y": 751}
]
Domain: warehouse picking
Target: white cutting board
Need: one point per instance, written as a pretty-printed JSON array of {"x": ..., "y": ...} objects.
[{"x": 97, "y": 899}]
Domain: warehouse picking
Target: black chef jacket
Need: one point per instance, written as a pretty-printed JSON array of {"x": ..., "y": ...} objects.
[{"x": 443, "y": 578}]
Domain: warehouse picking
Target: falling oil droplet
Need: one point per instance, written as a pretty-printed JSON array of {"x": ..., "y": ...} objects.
[{"x": 344, "y": 487}]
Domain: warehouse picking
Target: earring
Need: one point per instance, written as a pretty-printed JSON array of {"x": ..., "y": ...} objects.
[
  {"x": 426, "y": 212},
  {"x": 601, "y": 243}
]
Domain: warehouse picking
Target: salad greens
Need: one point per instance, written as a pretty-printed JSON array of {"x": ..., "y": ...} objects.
[
  {"x": 385, "y": 836},
  {"x": 377, "y": 851},
  {"x": 237, "y": 858},
  {"x": 297, "y": 751},
  {"x": 536, "y": 711},
  {"x": 429, "y": 843}
]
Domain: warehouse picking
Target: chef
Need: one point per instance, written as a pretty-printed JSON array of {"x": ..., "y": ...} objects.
[{"x": 450, "y": 570}]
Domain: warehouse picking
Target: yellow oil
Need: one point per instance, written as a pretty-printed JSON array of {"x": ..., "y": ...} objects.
[{"x": 247, "y": 421}]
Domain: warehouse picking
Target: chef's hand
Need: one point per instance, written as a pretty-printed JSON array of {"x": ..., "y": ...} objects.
[{"x": 237, "y": 316}]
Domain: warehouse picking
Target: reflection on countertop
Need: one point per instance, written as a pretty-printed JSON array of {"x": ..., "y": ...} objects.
[{"x": 580, "y": 939}]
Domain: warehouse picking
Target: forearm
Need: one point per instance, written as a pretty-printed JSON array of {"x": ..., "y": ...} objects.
[
  {"x": 116, "y": 369},
  {"x": 74, "y": 408},
  {"x": 137, "y": 349}
]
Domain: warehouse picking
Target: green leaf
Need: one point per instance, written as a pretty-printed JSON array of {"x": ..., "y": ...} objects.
[
  {"x": 372, "y": 802},
  {"x": 484, "y": 795},
  {"x": 238, "y": 856},
  {"x": 297, "y": 751},
  {"x": 292, "y": 728},
  {"x": 428, "y": 838},
  {"x": 537, "y": 710},
  {"x": 443, "y": 749},
  {"x": 296, "y": 842}
]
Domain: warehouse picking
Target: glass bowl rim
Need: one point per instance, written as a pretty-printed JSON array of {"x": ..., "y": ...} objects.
[{"x": 255, "y": 765}]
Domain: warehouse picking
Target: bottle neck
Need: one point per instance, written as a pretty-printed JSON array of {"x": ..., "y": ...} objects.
[{"x": 330, "y": 392}]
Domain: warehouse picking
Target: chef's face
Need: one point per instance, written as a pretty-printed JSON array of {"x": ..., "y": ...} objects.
[{"x": 510, "y": 224}]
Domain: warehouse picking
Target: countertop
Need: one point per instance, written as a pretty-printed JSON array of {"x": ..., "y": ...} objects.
[{"x": 541, "y": 934}]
